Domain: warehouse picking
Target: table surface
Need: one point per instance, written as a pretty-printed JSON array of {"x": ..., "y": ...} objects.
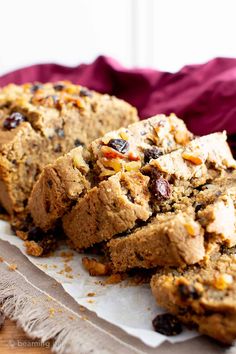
[{"x": 13, "y": 339}]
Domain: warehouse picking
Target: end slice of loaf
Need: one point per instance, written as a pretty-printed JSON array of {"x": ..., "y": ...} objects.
[
  {"x": 40, "y": 122},
  {"x": 204, "y": 296}
]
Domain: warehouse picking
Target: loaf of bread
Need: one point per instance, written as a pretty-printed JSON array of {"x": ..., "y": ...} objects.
[{"x": 40, "y": 122}]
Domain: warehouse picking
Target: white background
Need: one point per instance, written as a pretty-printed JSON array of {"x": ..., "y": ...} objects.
[{"x": 165, "y": 34}]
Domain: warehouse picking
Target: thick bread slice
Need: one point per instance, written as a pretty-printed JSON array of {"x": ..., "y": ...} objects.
[{"x": 203, "y": 296}]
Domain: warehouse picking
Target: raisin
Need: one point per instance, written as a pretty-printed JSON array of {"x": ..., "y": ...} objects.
[
  {"x": 85, "y": 93},
  {"x": 49, "y": 183},
  {"x": 77, "y": 143},
  {"x": 119, "y": 145},
  {"x": 35, "y": 234},
  {"x": 188, "y": 292},
  {"x": 130, "y": 197},
  {"x": 58, "y": 87},
  {"x": 152, "y": 153},
  {"x": 48, "y": 243},
  {"x": 58, "y": 148},
  {"x": 198, "y": 206},
  {"x": 167, "y": 324},
  {"x": 35, "y": 87},
  {"x": 13, "y": 120},
  {"x": 60, "y": 132},
  {"x": 160, "y": 188}
]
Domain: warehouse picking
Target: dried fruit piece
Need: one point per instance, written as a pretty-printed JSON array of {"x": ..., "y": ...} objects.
[
  {"x": 167, "y": 324},
  {"x": 85, "y": 93},
  {"x": 152, "y": 153},
  {"x": 110, "y": 153},
  {"x": 188, "y": 291},
  {"x": 160, "y": 188},
  {"x": 13, "y": 120},
  {"x": 77, "y": 143},
  {"x": 193, "y": 157},
  {"x": 119, "y": 145},
  {"x": 35, "y": 87},
  {"x": 58, "y": 86}
]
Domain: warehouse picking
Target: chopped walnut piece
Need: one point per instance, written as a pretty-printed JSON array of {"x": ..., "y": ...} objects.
[
  {"x": 94, "y": 267},
  {"x": 33, "y": 249}
]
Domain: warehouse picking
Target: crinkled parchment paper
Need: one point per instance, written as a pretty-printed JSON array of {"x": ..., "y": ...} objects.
[{"x": 131, "y": 308}]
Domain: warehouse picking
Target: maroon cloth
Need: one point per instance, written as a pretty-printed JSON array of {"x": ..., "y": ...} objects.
[{"x": 203, "y": 95}]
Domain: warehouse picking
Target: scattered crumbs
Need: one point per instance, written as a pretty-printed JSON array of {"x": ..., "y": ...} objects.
[
  {"x": 51, "y": 312},
  {"x": 72, "y": 318},
  {"x": 91, "y": 294},
  {"x": 98, "y": 282},
  {"x": 67, "y": 255},
  {"x": 60, "y": 310},
  {"x": 69, "y": 276},
  {"x": 45, "y": 266},
  {"x": 54, "y": 285},
  {"x": 68, "y": 269},
  {"x": 54, "y": 266},
  {"x": 90, "y": 301},
  {"x": 1, "y": 259},
  {"x": 49, "y": 298},
  {"x": 84, "y": 318},
  {"x": 61, "y": 272},
  {"x": 82, "y": 308},
  {"x": 12, "y": 267}
]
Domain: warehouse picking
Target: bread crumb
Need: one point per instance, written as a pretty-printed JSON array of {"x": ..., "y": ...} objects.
[
  {"x": 33, "y": 249},
  {"x": 1, "y": 259},
  {"x": 114, "y": 279},
  {"x": 91, "y": 294},
  {"x": 51, "y": 312},
  {"x": 12, "y": 267},
  {"x": 82, "y": 308}
]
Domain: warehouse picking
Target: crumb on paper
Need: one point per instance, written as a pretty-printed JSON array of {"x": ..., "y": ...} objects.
[
  {"x": 12, "y": 267},
  {"x": 72, "y": 318},
  {"x": 51, "y": 312},
  {"x": 114, "y": 279},
  {"x": 68, "y": 269},
  {"x": 69, "y": 276},
  {"x": 90, "y": 301},
  {"x": 22, "y": 234},
  {"x": 84, "y": 318},
  {"x": 91, "y": 294},
  {"x": 94, "y": 267},
  {"x": 82, "y": 308},
  {"x": 33, "y": 249},
  {"x": 1, "y": 260}
]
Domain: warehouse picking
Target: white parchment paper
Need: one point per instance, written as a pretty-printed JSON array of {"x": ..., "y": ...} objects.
[{"x": 131, "y": 308}]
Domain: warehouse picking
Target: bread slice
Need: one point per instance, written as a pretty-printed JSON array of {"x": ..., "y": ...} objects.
[
  {"x": 137, "y": 144},
  {"x": 42, "y": 122},
  {"x": 202, "y": 296},
  {"x": 184, "y": 236},
  {"x": 161, "y": 189}
]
